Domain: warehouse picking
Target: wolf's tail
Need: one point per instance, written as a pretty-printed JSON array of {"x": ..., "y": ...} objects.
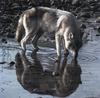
[{"x": 20, "y": 30}]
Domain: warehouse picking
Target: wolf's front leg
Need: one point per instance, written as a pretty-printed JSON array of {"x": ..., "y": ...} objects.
[
  {"x": 58, "y": 50},
  {"x": 64, "y": 62},
  {"x": 23, "y": 45},
  {"x": 75, "y": 55}
]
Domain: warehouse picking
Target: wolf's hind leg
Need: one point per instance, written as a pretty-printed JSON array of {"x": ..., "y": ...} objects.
[
  {"x": 31, "y": 27},
  {"x": 24, "y": 41},
  {"x": 58, "y": 50},
  {"x": 35, "y": 40}
]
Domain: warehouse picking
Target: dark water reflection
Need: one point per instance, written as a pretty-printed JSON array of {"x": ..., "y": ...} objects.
[{"x": 33, "y": 78}]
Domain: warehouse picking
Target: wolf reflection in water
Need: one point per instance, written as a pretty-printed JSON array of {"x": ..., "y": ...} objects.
[{"x": 33, "y": 78}]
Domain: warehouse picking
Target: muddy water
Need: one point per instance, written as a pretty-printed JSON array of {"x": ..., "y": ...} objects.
[{"x": 31, "y": 76}]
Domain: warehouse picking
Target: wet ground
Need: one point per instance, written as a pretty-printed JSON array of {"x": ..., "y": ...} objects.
[{"x": 31, "y": 76}]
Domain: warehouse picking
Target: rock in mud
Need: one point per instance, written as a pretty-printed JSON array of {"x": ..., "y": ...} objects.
[
  {"x": 3, "y": 40},
  {"x": 11, "y": 63},
  {"x": 98, "y": 20},
  {"x": 83, "y": 26},
  {"x": 98, "y": 28},
  {"x": 85, "y": 14}
]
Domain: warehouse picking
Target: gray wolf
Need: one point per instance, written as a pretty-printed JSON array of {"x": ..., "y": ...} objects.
[{"x": 35, "y": 21}]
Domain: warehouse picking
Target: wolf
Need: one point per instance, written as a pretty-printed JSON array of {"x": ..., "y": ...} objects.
[{"x": 37, "y": 20}]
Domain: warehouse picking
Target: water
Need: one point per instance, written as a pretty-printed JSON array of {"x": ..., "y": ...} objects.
[{"x": 32, "y": 77}]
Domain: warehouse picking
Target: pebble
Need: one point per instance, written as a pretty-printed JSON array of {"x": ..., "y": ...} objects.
[{"x": 98, "y": 20}]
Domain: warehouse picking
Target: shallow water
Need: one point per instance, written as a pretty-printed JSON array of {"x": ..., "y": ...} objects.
[{"x": 31, "y": 76}]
